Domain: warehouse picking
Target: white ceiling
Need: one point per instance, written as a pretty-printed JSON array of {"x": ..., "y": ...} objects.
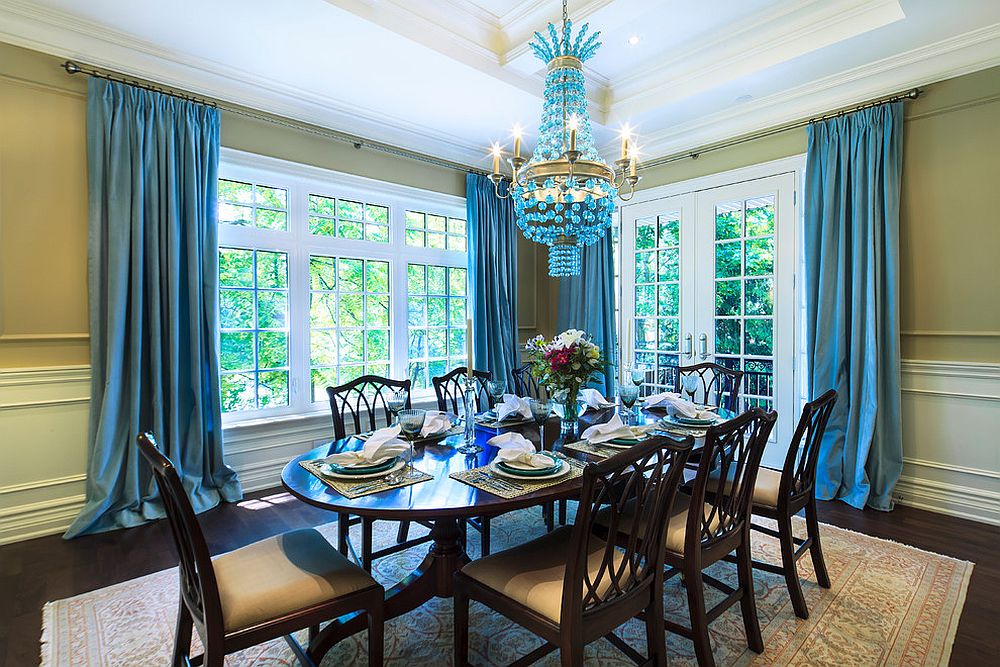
[{"x": 446, "y": 77}]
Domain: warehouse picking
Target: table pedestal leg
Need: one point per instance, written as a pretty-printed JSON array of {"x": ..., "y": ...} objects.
[{"x": 434, "y": 577}]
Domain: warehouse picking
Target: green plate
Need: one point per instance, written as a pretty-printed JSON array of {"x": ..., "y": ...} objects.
[
  {"x": 530, "y": 473},
  {"x": 363, "y": 470},
  {"x": 626, "y": 441},
  {"x": 690, "y": 421}
]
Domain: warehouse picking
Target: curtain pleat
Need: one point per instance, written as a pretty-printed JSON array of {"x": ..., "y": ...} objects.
[
  {"x": 853, "y": 171},
  {"x": 492, "y": 277},
  {"x": 153, "y": 281},
  {"x": 587, "y": 302}
]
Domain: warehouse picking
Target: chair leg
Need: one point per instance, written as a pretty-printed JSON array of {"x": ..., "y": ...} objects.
[
  {"x": 214, "y": 655},
  {"x": 461, "y": 624},
  {"x": 548, "y": 513},
  {"x": 182, "y": 637},
  {"x": 343, "y": 532},
  {"x": 404, "y": 531},
  {"x": 484, "y": 535},
  {"x": 791, "y": 572},
  {"x": 571, "y": 653},
  {"x": 699, "y": 620},
  {"x": 815, "y": 550},
  {"x": 656, "y": 633},
  {"x": 376, "y": 639},
  {"x": 562, "y": 512},
  {"x": 748, "y": 602},
  {"x": 366, "y": 544}
]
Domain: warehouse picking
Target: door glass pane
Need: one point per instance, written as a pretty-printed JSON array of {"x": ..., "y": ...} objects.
[
  {"x": 657, "y": 297},
  {"x": 744, "y": 294}
]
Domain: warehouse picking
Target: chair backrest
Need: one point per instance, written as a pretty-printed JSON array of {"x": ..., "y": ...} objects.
[
  {"x": 525, "y": 383},
  {"x": 450, "y": 390},
  {"x": 360, "y": 400},
  {"x": 717, "y": 385},
  {"x": 732, "y": 451},
  {"x": 798, "y": 475},
  {"x": 641, "y": 481},
  {"x": 199, "y": 589}
]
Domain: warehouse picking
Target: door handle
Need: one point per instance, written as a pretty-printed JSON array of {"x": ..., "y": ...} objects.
[
  {"x": 703, "y": 345},
  {"x": 688, "y": 346}
]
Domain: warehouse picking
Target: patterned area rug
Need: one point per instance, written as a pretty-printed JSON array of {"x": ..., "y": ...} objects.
[{"x": 889, "y": 604}]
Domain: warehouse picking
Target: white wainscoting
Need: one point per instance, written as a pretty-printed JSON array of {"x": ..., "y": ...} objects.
[
  {"x": 951, "y": 422},
  {"x": 951, "y": 439}
]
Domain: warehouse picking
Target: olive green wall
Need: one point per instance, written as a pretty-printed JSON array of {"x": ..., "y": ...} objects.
[
  {"x": 949, "y": 214},
  {"x": 43, "y": 204}
]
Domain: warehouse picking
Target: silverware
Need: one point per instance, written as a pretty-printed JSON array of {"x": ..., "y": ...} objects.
[{"x": 389, "y": 480}]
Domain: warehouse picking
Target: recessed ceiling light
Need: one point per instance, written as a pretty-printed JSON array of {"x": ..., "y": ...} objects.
[{"x": 632, "y": 40}]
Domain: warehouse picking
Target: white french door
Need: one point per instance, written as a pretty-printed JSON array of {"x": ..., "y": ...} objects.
[{"x": 709, "y": 276}]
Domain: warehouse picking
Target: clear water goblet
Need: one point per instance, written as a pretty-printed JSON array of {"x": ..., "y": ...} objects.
[
  {"x": 411, "y": 421},
  {"x": 628, "y": 394},
  {"x": 541, "y": 408},
  {"x": 396, "y": 402},
  {"x": 689, "y": 383}
]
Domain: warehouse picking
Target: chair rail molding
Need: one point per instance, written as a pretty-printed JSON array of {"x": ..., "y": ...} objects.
[{"x": 951, "y": 461}]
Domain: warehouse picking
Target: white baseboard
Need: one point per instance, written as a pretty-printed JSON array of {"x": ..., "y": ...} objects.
[{"x": 950, "y": 422}]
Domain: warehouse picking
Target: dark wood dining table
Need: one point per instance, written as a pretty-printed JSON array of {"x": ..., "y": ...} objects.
[{"x": 441, "y": 502}]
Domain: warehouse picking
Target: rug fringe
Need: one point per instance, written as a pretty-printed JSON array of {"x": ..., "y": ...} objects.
[
  {"x": 45, "y": 649},
  {"x": 885, "y": 539}
]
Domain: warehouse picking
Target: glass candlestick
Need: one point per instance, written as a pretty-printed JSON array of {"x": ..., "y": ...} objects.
[{"x": 470, "y": 446}]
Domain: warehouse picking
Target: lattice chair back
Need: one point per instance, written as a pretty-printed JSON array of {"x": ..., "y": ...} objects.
[
  {"x": 639, "y": 482},
  {"x": 360, "y": 401}
]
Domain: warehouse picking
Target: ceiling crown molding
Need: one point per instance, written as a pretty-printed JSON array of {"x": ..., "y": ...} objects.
[
  {"x": 67, "y": 36},
  {"x": 946, "y": 59}
]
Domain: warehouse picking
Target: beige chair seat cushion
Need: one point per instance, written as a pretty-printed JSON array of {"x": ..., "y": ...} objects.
[
  {"x": 676, "y": 527},
  {"x": 283, "y": 574},
  {"x": 532, "y": 573},
  {"x": 765, "y": 491}
]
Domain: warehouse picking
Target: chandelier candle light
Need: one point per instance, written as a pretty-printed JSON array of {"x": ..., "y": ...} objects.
[{"x": 564, "y": 194}]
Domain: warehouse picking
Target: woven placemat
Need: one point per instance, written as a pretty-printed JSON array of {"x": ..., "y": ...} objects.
[
  {"x": 485, "y": 480},
  {"x": 362, "y": 487},
  {"x": 594, "y": 449}
]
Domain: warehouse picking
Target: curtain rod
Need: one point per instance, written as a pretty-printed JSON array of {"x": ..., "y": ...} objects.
[
  {"x": 911, "y": 94},
  {"x": 358, "y": 142}
]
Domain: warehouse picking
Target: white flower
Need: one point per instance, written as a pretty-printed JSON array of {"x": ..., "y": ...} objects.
[{"x": 568, "y": 338}]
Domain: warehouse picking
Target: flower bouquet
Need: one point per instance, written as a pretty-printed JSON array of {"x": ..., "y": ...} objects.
[{"x": 563, "y": 366}]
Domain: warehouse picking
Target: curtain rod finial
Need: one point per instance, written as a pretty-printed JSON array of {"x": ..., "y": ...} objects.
[{"x": 71, "y": 67}]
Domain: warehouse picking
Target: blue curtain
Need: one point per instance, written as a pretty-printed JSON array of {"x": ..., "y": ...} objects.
[
  {"x": 587, "y": 302},
  {"x": 853, "y": 168},
  {"x": 153, "y": 279},
  {"x": 492, "y": 277}
]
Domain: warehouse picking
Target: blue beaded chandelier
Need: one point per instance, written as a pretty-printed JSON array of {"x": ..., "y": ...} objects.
[{"x": 564, "y": 195}]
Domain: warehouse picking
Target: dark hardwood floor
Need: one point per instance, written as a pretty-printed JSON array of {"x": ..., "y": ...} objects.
[{"x": 49, "y": 568}]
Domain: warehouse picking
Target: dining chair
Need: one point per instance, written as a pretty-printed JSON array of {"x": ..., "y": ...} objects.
[
  {"x": 259, "y": 592},
  {"x": 449, "y": 389},
  {"x": 450, "y": 392},
  {"x": 360, "y": 402},
  {"x": 696, "y": 540},
  {"x": 525, "y": 383},
  {"x": 574, "y": 586},
  {"x": 717, "y": 385},
  {"x": 781, "y": 494}
]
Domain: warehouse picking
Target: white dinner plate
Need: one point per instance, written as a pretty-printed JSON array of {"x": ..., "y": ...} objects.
[
  {"x": 559, "y": 473},
  {"x": 328, "y": 472}
]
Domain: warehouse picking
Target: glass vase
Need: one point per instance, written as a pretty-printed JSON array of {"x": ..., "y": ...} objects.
[{"x": 569, "y": 422}]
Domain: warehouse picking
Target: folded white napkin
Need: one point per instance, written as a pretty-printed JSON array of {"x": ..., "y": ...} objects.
[
  {"x": 592, "y": 399},
  {"x": 435, "y": 422},
  {"x": 381, "y": 445},
  {"x": 610, "y": 430},
  {"x": 676, "y": 405},
  {"x": 515, "y": 448},
  {"x": 513, "y": 405}
]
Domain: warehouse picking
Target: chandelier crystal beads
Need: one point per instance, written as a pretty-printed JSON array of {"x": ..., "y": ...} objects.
[{"x": 564, "y": 194}]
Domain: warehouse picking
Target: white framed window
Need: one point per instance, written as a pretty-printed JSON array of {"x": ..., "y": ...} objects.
[{"x": 322, "y": 280}]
